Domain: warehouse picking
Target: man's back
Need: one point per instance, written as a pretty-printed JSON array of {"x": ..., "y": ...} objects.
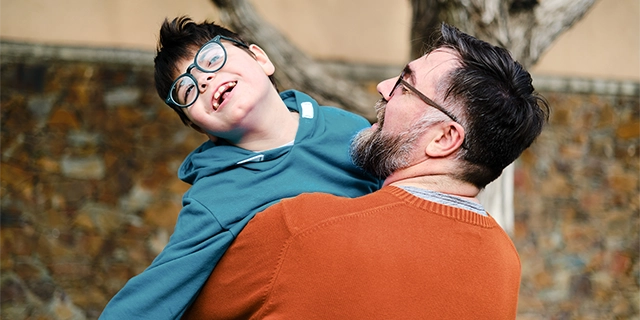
[{"x": 387, "y": 255}]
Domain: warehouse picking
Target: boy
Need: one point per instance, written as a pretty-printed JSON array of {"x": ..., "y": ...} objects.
[{"x": 263, "y": 146}]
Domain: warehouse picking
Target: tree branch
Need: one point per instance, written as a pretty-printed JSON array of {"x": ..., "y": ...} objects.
[{"x": 524, "y": 27}]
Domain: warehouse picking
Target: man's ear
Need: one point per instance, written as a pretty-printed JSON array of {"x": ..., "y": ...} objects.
[
  {"x": 263, "y": 59},
  {"x": 448, "y": 139}
]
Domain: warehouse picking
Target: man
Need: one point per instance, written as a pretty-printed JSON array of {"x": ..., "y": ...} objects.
[{"x": 422, "y": 247}]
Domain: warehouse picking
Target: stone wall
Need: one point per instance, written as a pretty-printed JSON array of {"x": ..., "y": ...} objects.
[
  {"x": 577, "y": 207},
  {"x": 89, "y": 187},
  {"x": 90, "y": 193}
]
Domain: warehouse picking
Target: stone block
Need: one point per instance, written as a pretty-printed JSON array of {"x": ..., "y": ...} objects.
[
  {"x": 62, "y": 118},
  {"x": 122, "y": 96},
  {"x": 85, "y": 168},
  {"x": 628, "y": 130},
  {"x": 162, "y": 214}
]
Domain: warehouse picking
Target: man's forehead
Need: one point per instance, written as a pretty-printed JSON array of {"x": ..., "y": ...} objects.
[
  {"x": 438, "y": 60},
  {"x": 436, "y": 57}
]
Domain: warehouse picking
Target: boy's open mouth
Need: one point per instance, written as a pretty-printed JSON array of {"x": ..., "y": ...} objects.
[{"x": 222, "y": 93}]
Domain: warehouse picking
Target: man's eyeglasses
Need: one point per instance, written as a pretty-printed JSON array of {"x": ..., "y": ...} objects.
[
  {"x": 210, "y": 58},
  {"x": 420, "y": 95}
]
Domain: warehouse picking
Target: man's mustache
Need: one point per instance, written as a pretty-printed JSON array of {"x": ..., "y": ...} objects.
[{"x": 380, "y": 108}]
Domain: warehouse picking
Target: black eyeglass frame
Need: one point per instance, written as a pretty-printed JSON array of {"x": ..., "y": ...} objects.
[{"x": 169, "y": 100}]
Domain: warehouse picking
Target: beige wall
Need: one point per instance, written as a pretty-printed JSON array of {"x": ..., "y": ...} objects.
[
  {"x": 110, "y": 23},
  {"x": 605, "y": 44}
]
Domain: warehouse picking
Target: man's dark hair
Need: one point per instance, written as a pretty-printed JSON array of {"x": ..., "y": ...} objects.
[
  {"x": 181, "y": 39},
  {"x": 502, "y": 113}
]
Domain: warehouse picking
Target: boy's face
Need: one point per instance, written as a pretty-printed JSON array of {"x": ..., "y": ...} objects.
[{"x": 228, "y": 97}]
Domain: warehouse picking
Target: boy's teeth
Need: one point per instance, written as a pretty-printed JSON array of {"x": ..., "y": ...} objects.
[{"x": 221, "y": 90}]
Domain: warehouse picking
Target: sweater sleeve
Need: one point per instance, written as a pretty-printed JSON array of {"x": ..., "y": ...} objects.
[{"x": 168, "y": 286}]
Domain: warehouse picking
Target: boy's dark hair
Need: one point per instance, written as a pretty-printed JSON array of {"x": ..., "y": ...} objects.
[
  {"x": 502, "y": 113},
  {"x": 180, "y": 39}
]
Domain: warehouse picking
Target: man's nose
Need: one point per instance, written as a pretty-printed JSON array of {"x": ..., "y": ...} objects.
[{"x": 384, "y": 87}]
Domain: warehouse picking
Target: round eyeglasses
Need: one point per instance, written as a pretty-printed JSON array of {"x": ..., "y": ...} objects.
[{"x": 210, "y": 58}]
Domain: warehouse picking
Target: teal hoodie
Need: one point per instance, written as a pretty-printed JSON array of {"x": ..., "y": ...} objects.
[{"x": 229, "y": 186}]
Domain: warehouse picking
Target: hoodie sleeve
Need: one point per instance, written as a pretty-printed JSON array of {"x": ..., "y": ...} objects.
[{"x": 168, "y": 286}]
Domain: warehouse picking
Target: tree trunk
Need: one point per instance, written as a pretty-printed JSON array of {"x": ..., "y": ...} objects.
[{"x": 424, "y": 21}]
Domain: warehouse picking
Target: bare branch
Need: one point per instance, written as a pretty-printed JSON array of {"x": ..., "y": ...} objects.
[
  {"x": 525, "y": 27},
  {"x": 553, "y": 17}
]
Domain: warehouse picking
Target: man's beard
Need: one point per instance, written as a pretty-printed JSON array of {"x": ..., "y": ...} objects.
[{"x": 382, "y": 153}]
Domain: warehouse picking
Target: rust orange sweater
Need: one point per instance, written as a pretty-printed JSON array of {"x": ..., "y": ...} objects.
[{"x": 387, "y": 255}]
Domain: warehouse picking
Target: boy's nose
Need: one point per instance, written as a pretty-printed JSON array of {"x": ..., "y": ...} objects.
[{"x": 203, "y": 79}]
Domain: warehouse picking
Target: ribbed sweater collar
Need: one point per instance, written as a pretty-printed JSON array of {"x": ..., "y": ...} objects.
[{"x": 446, "y": 211}]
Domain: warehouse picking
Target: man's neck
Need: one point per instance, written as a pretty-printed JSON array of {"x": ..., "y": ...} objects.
[{"x": 436, "y": 182}]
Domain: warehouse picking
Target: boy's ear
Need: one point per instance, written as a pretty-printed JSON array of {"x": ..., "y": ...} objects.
[{"x": 263, "y": 59}]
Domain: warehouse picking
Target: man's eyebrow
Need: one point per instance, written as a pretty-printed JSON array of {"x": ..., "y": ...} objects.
[{"x": 409, "y": 73}]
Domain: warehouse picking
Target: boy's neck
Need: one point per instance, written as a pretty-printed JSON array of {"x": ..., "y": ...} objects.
[
  {"x": 283, "y": 131},
  {"x": 275, "y": 127}
]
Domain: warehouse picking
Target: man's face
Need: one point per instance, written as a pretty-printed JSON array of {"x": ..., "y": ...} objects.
[
  {"x": 393, "y": 142},
  {"x": 228, "y": 96}
]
